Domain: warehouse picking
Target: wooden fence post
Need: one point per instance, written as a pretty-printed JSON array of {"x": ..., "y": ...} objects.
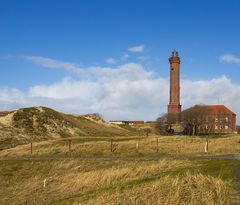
[
  {"x": 111, "y": 145},
  {"x": 206, "y": 145},
  {"x": 31, "y": 147},
  {"x": 137, "y": 145},
  {"x": 157, "y": 145},
  {"x": 44, "y": 183},
  {"x": 69, "y": 145}
]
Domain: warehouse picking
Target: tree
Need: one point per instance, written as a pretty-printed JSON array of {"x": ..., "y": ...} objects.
[
  {"x": 98, "y": 116},
  {"x": 196, "y": 120},
  {"x": 165, "y": 123}
]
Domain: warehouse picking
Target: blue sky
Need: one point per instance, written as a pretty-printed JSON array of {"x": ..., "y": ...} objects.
[{"x": 44, "y": 44}]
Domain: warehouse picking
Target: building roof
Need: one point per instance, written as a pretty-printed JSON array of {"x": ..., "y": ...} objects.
[
  {"x": 209, "y": 109},
  {"x": 218, "y": 109}
]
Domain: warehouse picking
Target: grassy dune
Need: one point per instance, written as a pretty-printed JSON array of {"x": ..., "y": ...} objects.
[{"x": 36, "y": 124}]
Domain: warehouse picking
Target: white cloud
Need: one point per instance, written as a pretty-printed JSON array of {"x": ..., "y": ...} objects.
[
  {"x": 51, "y": 63},
  {"x": 137, "y": 49},
  {"x": 127, "y": 91},
  {"x": 117, "y": 93},
  {"x": 220, "y": 90},
  {"x": 91, "y": 72},
  {"x": 111, "y": 61},
  {"x": 229, "y": 58},
  {"x": 67, "y": 88}
]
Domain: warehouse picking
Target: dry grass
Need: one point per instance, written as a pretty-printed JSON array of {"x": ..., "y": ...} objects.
[
  {"x": 24, "y": 181},
  {"x": 188, "y": 189},
  {"x": 110, "y": 182},
  {"x": 131, "y": 179}
]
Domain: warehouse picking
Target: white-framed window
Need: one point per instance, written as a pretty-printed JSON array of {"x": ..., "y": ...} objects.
[
  {"x": 226, "y": 119},
  {"x": 216, "y": 119},
  {"x": 226, "y": 127},
  {"x": 216, "y": 127}
]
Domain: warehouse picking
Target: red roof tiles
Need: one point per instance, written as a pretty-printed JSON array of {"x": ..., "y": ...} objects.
[{"x": 219, "y": 109}]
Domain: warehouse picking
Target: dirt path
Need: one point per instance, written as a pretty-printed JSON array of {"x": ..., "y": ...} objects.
[{"x": 134, "y": 158}]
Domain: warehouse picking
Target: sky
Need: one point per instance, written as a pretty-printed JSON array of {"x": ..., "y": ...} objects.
[{"x": 111, "y": 56}]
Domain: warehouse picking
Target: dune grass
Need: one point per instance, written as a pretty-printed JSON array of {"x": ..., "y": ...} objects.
[
  {"x": 178, "y": 190},
  {"x": 117, "y": 181},
  {"x": 92, "y": 174}
]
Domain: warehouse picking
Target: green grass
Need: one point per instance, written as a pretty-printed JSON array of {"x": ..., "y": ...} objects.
[
  {"x": 221, "y": 168},
  {"x": 126, "y": 147}
]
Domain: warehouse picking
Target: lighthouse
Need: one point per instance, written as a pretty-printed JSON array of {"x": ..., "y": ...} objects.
[{"x": 174, "y": 106}]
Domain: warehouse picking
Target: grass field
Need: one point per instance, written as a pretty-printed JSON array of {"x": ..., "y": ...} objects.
[
  {"x": 153, "y": 146},
  {"x": 152, "y": 170}
]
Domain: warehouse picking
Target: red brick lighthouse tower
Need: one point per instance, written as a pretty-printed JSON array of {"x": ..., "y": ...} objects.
[{"x": 174, "y": 106}]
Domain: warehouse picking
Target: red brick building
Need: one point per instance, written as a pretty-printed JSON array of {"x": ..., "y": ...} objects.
[
  {"x": 209, "y": 119},
  {"x": 223, "y": 119}
]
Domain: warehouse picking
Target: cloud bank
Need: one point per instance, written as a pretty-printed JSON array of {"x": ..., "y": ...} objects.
[{"x": 128, "y": 91}]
